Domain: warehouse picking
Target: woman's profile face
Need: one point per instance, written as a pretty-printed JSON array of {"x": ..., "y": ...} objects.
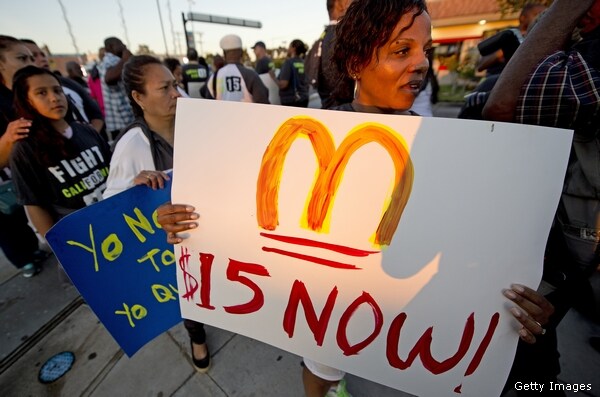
[
  {"x": 47, "y": 97},
  {"x": 160, "y": 97},
  {"x": 13, "y": 59},
  {"x": 393, "y": 77}
]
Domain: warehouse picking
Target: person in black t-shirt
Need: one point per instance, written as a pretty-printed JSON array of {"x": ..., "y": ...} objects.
[
  {"x": 195, "y": 73},
  {"x": 293, "y": 89},
  {"x": 60, "y": 167},
  {"x": 264, "y": 64}
]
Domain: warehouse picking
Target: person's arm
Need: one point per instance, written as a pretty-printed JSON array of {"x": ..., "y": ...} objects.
[
  {"x": 260, "y": 92},
  {"x": 550, "y": 34},
  {"x": 492, "y": 59},
  {"x": 285, "y": 75},
  {"x": 16, "y": 130},
  {"x": 113, "y": 73},
  {"x": 41, "y": 219},
  {"x": 283, "y": 84},
  {"x": 258, "y": 89}
]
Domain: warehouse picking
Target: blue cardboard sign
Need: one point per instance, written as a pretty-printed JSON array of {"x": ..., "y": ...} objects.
[{"x": 117, "y": 256}]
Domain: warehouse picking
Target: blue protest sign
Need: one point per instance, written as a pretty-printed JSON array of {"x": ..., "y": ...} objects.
[{"x": 117, "y": 256}]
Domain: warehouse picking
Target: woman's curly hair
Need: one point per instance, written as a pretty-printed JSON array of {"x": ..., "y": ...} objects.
[{"x": 366, "y": 27}]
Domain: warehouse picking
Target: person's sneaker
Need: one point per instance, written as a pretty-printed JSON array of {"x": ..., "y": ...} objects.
[
  {"x": 30, "y": 270},
  {"x": 339, "y": 390}
]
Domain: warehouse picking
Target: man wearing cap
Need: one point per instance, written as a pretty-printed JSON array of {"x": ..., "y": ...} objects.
[
  {"x": 234, "y": 82},
  {"x": 264, "y": 63}
]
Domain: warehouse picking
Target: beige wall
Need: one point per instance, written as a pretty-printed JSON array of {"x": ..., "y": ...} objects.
[{"x": 469, "y": 30}]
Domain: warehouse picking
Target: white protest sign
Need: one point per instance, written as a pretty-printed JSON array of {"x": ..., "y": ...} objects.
[
  {"x": 292, "y": 208},
  {"x": 272, "y": 87}
]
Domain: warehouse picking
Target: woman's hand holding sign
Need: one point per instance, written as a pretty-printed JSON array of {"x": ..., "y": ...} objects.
[
  {"x": 533, "y": 311},
  {"x": 176, "y": 218},
  {"x": 152, "y": 179}
]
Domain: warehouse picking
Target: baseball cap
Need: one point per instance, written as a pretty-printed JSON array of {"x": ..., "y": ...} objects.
[
  {"x": 259, "y": 44},
  {"x": 231, "y": 42}
]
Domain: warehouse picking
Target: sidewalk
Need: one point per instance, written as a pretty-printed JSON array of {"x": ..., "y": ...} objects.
[{"x": 40, "y": 318}]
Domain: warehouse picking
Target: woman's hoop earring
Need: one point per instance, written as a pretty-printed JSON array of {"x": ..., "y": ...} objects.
[{"x": 356, "y": 88}]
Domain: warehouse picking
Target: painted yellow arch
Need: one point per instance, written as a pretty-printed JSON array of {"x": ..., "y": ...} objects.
[
  {"x": 332, "y": 164},
  {"x": 269, "y": 177}
]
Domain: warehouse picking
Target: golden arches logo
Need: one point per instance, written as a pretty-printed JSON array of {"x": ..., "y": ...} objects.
[{"x": 331, "y": 164}]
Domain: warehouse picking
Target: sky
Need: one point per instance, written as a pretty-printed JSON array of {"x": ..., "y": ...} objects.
[{"x": 92, "y": 21}]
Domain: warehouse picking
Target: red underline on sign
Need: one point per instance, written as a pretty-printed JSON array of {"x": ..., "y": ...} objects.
[
  {"x": 313, "y": 259},
  {"x": 318, "y": 244}
]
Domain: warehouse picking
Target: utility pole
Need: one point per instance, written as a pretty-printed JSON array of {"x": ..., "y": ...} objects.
[
  {"x": 66, "y": 18},
  {"x": 191, "y": 3},
  {"x": 201, "y": 42},
  {"x": 178, "y": 36},
  {"x": 175, "y": 43},
  {"x": 124, "y": 24},
  {"x": 162, "y": 28}
]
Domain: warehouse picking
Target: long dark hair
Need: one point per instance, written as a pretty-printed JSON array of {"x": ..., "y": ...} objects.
[
  {"x": 299, "y": 47},
  {"x": 48, "y": 143},
  {"x": 366, "y": 27},
  {"x": 134, "y": 78}
]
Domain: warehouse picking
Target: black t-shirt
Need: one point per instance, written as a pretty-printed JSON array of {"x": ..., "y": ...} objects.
[
  {"x": 292, "y": 70},
  {"x": 194, "y": 73},
  {"x": 69, "y": 185},
  {"x": 264, "y": 65}
]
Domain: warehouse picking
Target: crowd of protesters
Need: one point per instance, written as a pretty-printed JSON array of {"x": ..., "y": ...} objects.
[{"x": 366, "y": 60}]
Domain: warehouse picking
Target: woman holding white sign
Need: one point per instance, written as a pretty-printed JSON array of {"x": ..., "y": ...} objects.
[
  {"x": 383, "y": 45},
  {"x": 388, "y": 65},
  {"x": 144, "y": 151}
]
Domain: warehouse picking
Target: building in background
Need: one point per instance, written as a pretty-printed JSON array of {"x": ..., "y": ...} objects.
[{"x": 458, "y": 26}]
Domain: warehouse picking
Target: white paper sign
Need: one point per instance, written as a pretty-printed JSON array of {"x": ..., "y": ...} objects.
[
  {"x": 272, "y": 87},
  {"x": 293, "y": 203}
]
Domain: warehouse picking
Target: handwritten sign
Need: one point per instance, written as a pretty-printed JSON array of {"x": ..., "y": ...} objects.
[
  {"x": 375, "y": 244},
  {"x": 117, "y": 256}
]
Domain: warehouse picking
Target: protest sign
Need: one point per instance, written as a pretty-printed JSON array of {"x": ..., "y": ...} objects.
[
  {"x": 376, "y": 244},
  {"x": 272, "y": 87},
  {"x": 117, "y": 256}
]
